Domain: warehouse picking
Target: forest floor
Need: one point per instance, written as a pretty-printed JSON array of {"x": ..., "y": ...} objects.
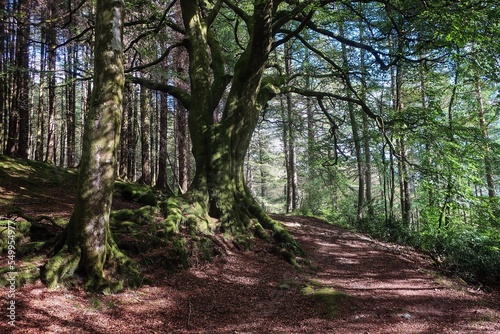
[{"x": 354, "y": 285}]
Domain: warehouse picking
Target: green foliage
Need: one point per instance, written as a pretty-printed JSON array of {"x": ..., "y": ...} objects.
[{"x": 473, "y": 254}]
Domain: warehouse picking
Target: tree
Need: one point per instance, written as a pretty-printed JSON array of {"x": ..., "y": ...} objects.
[
  {"x": 218, "y": 191},
  {"x": 86, "y": 243}
]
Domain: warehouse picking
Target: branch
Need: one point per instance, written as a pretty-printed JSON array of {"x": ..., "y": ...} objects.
[
  {"x": 297, "y": 31},
  {"x": 238, "y": 11},
  {"x": 154, "y": 62},
  {"x": 180, "y": 94},
  {"x": 376, "y": 54}
]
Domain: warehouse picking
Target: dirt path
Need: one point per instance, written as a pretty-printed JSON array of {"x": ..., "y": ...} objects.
[{"x": 359, "y": 286}]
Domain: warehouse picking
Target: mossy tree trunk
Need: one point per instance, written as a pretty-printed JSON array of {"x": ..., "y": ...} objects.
[
  {"x": 86, "y": 244},
  {"x": 218, "y": 198},
  {"x": 220, "y": 145}
]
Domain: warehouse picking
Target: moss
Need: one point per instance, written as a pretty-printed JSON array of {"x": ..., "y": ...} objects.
[
  {"x": 137, "y": 193},
  {"x": 61, "y": 267},
  {"x": 329, "y": 300},
  {"x": 27, "y": 271},
  {"x": 260, "y": 232},
  {"x": 177, "y": 255},
  {"x": 142, "y": 216},
  {"x": 21, "y": 231}
]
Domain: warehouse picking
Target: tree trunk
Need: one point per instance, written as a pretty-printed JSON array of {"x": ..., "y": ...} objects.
[
  {"x": 132, "y": 134},
  {"x": 292, "y": 199},
  {"x": 182, "y": 147},
  {"x": 22, "y": 77},
  {"x": 483, "y": 127},
  {"x": 356, "y": 137},
  {"x": 123, "y": 161},
  {"x": 404, "y": 178},
  {"x": 87, "y": 244},
  {"x": 161, "y": 181},
  {"x": 145, "y": 138},
  {"x": 40, "y": 133},
  {"x": 71, "y": 107},
  {"x": 3, "y": 42},
  {"x": 366, "y": 130},
  {"x": 52, "y": 40},
  {"x": 219, "y": 191}
]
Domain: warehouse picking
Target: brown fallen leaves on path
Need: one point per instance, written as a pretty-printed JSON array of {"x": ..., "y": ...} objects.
[{"x": 355, "y": 285}]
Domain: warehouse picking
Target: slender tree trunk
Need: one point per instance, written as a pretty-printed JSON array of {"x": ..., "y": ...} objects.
[
  {"x": 289, "y": 140},
  {"x": 404, "y": 177},
  {"x": 23, "y": 79},
  {"x": 40, "y": 134},
  {"x": 132, "y": 135},
  {"x": 87, "y": 243},
  {"x": 145, "y": 137},
  {"x": 483, "y": 126},
  {"x": 123, "y": 161},
  {"x": 366, "y": 131},
  {"x": 52, "y": 41},
  {"x": 71, "y": 107},
  {"x": 161, "y": 181},
  {"x": 182, "y": 147},
  {"x": 3, "y": 43},
  {"x": 356, "y": 138}
]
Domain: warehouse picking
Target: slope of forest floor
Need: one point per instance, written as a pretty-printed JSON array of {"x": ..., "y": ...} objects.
[{"x": 354, "y": 285}]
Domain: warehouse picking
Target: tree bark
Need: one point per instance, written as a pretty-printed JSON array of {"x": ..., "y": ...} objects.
[
  {"x": 23, "y": 79},
  {"x": 483, "y": 127},
  {"x": 145, "y": 138},
  {"x": 219, "y": 148},
  {"x": 3, "y": 42},
  {"x": 161, "y": 181},
  {"x": 87, "y": 244},
  {"x": 52, "y": 57},
  {"x": 355, "y": 136},
  {"x": 71, "y": 107}
]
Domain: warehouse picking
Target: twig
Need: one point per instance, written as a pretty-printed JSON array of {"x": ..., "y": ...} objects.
[{"x": 190, "y": 311}]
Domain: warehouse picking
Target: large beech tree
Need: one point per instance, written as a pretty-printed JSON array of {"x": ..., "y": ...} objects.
[
  {"x": 218, "y": 198},
  {"x": 86, "y": 244}
]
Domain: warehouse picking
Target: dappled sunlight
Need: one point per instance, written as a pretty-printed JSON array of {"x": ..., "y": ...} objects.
[{"x": 257, "y": 292}]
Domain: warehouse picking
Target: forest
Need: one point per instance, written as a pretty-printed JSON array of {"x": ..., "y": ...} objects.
[{"x": 139, "y": 136}]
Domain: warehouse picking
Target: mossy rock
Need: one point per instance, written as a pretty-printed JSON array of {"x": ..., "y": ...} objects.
[
  {"x": 20, "y": 228},
  {"x": 142, "y": 216},
  {"x": 137, "y": 193}
]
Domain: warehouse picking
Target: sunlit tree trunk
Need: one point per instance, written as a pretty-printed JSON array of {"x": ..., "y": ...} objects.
[
  {"x": 483, "y": 126},
  {"x": 356, "y": 137},
  {"x": 292, "y": 198},
  {"x": 51, "y": 67},
  {"x": 86, "y": 243},
  {"x": 366, "y": 129}
]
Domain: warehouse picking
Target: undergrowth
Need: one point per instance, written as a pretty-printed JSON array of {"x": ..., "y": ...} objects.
[{"x": 467, "y": 251}]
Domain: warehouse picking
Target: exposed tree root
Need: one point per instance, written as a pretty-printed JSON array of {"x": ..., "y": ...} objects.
[
  {"x": 240, "y": 221},
  {"x": 117, "y": 271}
]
